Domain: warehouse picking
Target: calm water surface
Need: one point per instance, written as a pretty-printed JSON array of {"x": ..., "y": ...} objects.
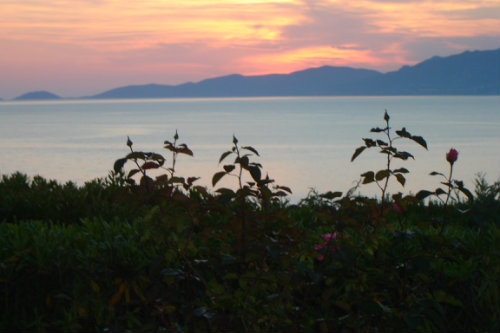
[{"x": 304, "y": 142}]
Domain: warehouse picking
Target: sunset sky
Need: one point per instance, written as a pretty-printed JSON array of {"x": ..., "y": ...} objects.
[{"x": 83, "y": 47}]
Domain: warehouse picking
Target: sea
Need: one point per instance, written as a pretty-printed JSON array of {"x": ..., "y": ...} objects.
[{"x": 305, "y": 143}]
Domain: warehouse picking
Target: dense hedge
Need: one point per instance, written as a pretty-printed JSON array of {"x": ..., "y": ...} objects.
[{"x": 102, "y": 257}]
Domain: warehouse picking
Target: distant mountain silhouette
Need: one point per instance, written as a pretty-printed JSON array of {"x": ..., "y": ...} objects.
[
  {"x": 37, "y": 95},
  {"x": 468, "y": 73}
]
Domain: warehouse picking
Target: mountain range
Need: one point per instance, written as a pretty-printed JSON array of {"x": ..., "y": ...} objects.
[{"x": 468, "y": 73}]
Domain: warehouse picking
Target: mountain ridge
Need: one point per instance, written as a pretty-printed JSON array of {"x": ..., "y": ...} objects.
[{"x": 467, "y": 73}]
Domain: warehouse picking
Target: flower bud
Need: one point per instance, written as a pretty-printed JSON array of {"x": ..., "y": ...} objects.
[{"x": 452, "y": 155}]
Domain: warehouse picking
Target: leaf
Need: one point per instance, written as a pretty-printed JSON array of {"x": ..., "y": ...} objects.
[
  {"x": 377, "y": 130},
  {"x": 243, "y": 161},
  {"x": 191, "y": 180},
  {"x": 255, "y": 173},
  {"x": 226, "y": 191},
  {"x": 403, "y": 133},
  {"x": 284, "y": 188},
  {"x": 118, "y": 166},
  {"x": 439, "y": 191},
  {"x": 132, "y": 173},
  {"x": 150, "y": 165},
  {"x": 381, "y": 143},
  {"x": 358, "y": 151},
  {"x": 235, "y": 141},
  {"x": 136, "y": 155},
  {"x": 156, "y": 157},
  {"x": 369, "y": 142},
  {"x": 331, "y": 195},
  {"x": 420, "y": 140},
  {"x": 369, "y": 177},
  {"x": 129, "y": 142},
  {"x": 229, "y": 167},
  {"x": 467, "y": 193},
  {"x": 185, "y": 151},
  {"x": 224, "y": 155},
  {"x": 176, "y": 180},
  {"x": 386, "y": 116},
  {"x": 252, "y": 149},
  {"x": 401, "y": 179},
  {"x": 421, "y": 195},
  {"x": 217, "y": 176},
  {"x": 401, "y": 170},
  {"x": 435, "y": 173},
  {"x": 382, "y": 174},
  {"x": 403, "y": 155},
  {"x": 202, "y": 190}
]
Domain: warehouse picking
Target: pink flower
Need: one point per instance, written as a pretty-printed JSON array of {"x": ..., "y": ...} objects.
[
  {"x": 320, "y": 257},
  {"x": 318, "y": 247},
  {"x": 328, "y": 237},
  {"x": 452, "y": 155},
  {"x": 397, "y": 208}
]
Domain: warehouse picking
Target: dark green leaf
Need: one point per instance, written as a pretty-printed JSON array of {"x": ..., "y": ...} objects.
[
  {"x": 129, "y": 142},
  {"x": 252, "y": 149},
  {"x": 191, "y": 180},
  {"x": 464, "y": 190},
  {"x": 226, "y": 191},
  {"x": 156, "y": 157},
  {"x": 224, "y": 155},
  {"x": 435, "y": 173},
  {"x": 439, "y": 191},
  {"x": 150, "y": 165},
  {"x": 381, "y": 143},
  {"x": 132, "y": 173},
  {"x": 255, "y": 173},
  {"x": 136, "y": 155},
  {"x": 420, "y": 140},
  {"x": 118, "y": 166},
  {"x": 401, "y": 179},
  {"x": 235, "y": 141},
  {"x": 229, "y": 167},
  {"x": 183, "y": 149},
  {"x": 421, "y": 195},
  {"x": 217, "y": 176},
  {"x": 243, "y": 161},
  {"x": 377, "y": 130},
  {"x": 369, "y": 177},
  {"x": 284, "y": 188},
  {"x": 401, "y": 170},
  {"x": 382, "y": 174},
  {"x": 331, "y": 195},
  {"x": 358, "y": 151},
  {"x": 386, "y": 116},
  {"x": 403, "y": 133},
  {"x": 369, "y": 142},
  {"x": 176, "y": 180},
  {"x": 403, "y": 155}
]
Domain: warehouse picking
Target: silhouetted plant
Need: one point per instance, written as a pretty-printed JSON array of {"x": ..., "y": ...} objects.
[
  {"x": 454, "y": 186},
  {"x": 387, "y": 148},
  {"x": 146, "y": 161},
  {"x": 259, "y": 187}
]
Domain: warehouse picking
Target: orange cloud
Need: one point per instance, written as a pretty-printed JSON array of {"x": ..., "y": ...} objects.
[
  {"x": 313, "y": 56},
  {"x": 445, "y": 18},
  {"x": 138, "y": 24}
]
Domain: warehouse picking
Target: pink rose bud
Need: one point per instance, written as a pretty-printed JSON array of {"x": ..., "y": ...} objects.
[{"x": 452, "y": 155}]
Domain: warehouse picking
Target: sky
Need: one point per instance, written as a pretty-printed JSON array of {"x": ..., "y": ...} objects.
[{"x": 77, "y": 48}]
